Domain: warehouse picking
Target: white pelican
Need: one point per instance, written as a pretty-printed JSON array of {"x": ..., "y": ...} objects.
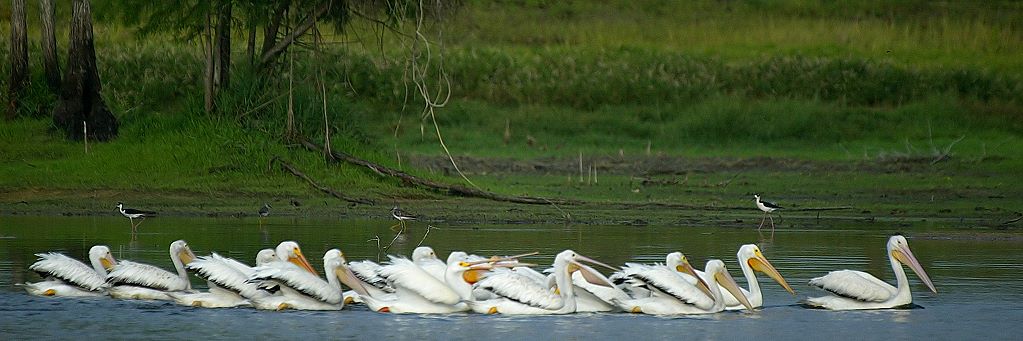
[
  {"x": 676, "y": 263},
  {"x": 66, "y": 276},
  {"x": 417, "y": 291},
  {"x": 520, "y": 294},
  {"x": 130, "y": 280},
  {"x": 854, "y": 290},
  {"x": 671, "y": 294},
  {"x": 425, "y": 258},
  {"x": 750, "y": 260},
  {"x": 227, "y": 280},
  {"x": 301, "y": 289},
  {"x": 372, "y": 283}
]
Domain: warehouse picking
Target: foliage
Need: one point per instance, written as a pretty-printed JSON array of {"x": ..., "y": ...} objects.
[{"x": 801, "y": 79}]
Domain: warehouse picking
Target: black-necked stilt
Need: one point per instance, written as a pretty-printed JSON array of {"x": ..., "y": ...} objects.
[
  {"x": 263, "y": 212},
  {"x": 133, "y": 214},
  {"x": 401, "y": 216},
  {"x": 767, "y": 207}
]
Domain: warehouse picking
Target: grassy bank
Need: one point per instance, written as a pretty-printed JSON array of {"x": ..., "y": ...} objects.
[{"x": 918, "y": 103}]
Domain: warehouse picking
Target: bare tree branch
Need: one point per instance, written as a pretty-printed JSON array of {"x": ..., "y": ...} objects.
[{"x": 277, "y": 49}]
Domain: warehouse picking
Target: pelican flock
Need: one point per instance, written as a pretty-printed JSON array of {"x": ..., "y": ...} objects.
[{"x": 282, "y": 278}]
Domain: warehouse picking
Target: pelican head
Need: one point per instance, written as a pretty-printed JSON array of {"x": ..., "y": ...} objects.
[
  {"x": 334, "y": 261},
  {"x": 289, "y": 251},
  {"x": 101, "y": 258},
  {"x": 179, "y": 250},
  {"x": 679, "y": 262},
  {"x": 265, "y": 256},
  {"x": 472, "y": 271},
  {"x": 572, "y": 261},
  {"x": 454, "y": 256},
  {"x": 717, "y": 271},
  {"x": 423, "y": 253},
  {"x": 898, "y": 248},
  {"x": 751, "y": 254}
]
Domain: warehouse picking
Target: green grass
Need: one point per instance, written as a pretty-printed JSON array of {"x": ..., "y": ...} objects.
[
  {"x": 869, "y": 89},
  {"x": 914, "y": 32}
]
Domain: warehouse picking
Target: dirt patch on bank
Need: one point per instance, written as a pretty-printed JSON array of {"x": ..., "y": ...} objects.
[{"x": 657, "y": 165}]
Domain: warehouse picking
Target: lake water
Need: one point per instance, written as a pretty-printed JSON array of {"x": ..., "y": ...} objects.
[{"x": 977, "y": 276}]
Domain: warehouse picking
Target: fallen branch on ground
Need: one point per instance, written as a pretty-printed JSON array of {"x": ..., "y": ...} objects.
[
  {"x": 455, "y": 190},
  {"x": 288, "y": 167}
]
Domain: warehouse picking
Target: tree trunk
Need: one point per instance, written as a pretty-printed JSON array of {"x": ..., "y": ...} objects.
[
  {"x": 49, "y": 45},
  {"x": 80, "y": 103},
  {"x": 18, "y": 57},
  {"x": 208, "y": 76},
  {"x": 269, "y": 55},
  {"x": 224, "y": 46},
  {"x": 270, "y": 31},
  {"x": 251, "y": 50}
]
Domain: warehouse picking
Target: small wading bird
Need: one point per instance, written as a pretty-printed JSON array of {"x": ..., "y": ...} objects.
[
  {"x": 133, "y": 214},
  {"x": 857, "y": 290},
  {"x": 767, "y": 207},
  {"x": 264, "y": 212},
  {"x": 401, "y": 216}
]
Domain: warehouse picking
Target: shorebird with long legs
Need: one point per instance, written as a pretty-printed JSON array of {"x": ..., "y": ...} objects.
[
  {"x": 133, "y": 214},
  {"x": 402, "y": 217},
  {"x": 264, "y": 212},
  {"x": 768, "y": 208}
]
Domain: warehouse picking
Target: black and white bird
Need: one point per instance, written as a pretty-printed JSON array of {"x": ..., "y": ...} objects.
[
  {"x": 401, "y": 216},
  {"x": 133, "y": 214},
  {"x": 767, "y": 207},
  {"x": 265, "y": 210}
]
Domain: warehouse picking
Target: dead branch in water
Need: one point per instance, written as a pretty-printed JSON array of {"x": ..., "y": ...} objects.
[
  {"x": 291, "y": 169},
  {"x": 456, "y": 190}
]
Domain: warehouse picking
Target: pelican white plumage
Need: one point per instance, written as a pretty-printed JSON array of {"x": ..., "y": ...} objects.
[
  {"x": 671, "y": 294},
  {"x": 66, "y": 276},
  {"x": 632, "y": 278},
  {"x": 131, "y": 280},
  {"x": 425, "y": 258},
  {"x": 521, "y": 294},
  {"x": 227, "y": 280},
  {"x": 595, "y": 298},
  {"x": 857, "y": 290},
  {"x": 751, "y": 260},
  {"x": 366, "y": 275},
  {"x": 417, "y": 291},
  {"x": 301, "y": 289}
]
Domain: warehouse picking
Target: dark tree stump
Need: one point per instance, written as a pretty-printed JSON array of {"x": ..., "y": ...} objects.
[{"x": 80, "y": 105}]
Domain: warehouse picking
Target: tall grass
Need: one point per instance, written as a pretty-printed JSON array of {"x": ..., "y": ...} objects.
[
  {"x": 983, "y": 34},
  {"x": 590, "y": 78},
  {"x": 746, "y": 77}
]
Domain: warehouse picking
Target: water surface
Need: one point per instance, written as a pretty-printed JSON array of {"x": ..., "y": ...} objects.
[{"x": 980, "y": 294}]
